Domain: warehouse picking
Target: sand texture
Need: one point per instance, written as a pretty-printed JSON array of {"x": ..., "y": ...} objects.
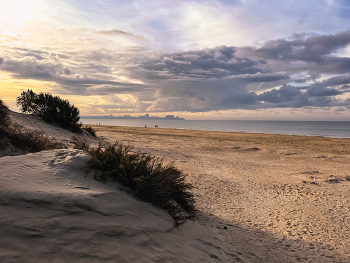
[
  {"x": 51, "y": 213},
  {"x": 271, "y": 198}
]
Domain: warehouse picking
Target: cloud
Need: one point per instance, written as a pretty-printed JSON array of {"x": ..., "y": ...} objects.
[
  {"x": 259, "y": 77},
  {"x": 48, "y": 70},
  {"x": 300, "y": 22},
  {"x": 113, "y": 31},
  {"x": 311, "y": 49},
  {"x": 209, "y": 63},
  {"x": 282, "y": 73}
]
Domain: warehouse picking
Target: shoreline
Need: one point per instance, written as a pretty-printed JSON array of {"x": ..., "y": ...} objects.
[
  {"x": 327, "y": 144},
  {"x": 323, "y": 129}
]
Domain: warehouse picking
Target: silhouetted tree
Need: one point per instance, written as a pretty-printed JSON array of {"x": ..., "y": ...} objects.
[{"x": 50, "y": 108}]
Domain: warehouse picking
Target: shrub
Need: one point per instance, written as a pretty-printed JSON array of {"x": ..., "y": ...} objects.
[
  {"x": 4, "y": 115},
  {"x": 28, "y": 141},
  {"x": 51, "y": 109},
  {"x": 90, "y": 130},
  {"x": 80, "y": 143},
  {"x": 34, "y": 141},
  {"x": 152, "y": 181}
]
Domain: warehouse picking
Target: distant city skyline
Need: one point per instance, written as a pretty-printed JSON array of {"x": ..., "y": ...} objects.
[
  {"x": 127, "y": 116},
  {"x": 208, "y": 59}
]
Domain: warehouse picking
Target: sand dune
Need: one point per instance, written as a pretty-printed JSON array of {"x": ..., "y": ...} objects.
[{"x": 51, "y": 212}]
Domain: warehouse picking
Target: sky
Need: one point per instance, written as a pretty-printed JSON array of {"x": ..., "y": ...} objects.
[{"x": 196, "y": 59}]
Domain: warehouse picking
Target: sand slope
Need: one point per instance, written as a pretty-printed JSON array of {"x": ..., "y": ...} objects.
[
  {"x": 31, "y": 122},
  {"x": 51, "y": 213}
]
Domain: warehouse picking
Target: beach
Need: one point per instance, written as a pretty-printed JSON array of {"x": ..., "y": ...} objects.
[
  {"x": 272, "y": 198},
  {"x": 259, "y": 198}
]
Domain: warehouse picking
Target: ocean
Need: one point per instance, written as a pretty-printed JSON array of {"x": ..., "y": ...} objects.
[{"x": 334, "y": 129}]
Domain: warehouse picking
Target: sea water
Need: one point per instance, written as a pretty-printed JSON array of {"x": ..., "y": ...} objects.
[{"x": 335, "y": 129}]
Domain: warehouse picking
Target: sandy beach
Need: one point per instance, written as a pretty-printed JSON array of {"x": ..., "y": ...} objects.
[
  {"x": 271, "y": 198},
  {"x": 260, "y": 198}
]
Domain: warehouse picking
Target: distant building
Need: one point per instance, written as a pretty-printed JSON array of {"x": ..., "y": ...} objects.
[{"x": 169, "y": 117}]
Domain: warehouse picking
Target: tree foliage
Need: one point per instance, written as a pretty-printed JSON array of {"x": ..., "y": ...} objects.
[{"x": 50, "y": 108}]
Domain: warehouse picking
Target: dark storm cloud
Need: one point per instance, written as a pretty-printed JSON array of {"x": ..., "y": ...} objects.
[
  {"x": 311, "y": 49},
  {"x": 259, "y": 77},
  {"x": 285, "y": 94},
  {"x": 31, "y": 68},
  {"x": 87, "y": 82},
  {"x": 319, "y": 90},
  {"x": 1, "y": 61},
  {"x": 210, "y": 63},
  {"x": 33, "y": 52},
  {"x": 220, "y": 78},
  {"x": 295, "y": 97}
]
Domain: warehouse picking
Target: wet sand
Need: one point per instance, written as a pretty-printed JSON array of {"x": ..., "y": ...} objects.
[{"x": 271, "y": 198}]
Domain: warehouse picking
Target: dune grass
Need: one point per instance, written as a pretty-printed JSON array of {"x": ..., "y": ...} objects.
[
  {"x": 27, "y": 141},
  {"x": 153, "y": 181},
  {"x": 90, "y": 130}
]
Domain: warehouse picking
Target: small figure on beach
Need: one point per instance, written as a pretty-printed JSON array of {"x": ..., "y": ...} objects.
[
  {"x": 145, "y": 126},
  {"x": 156, "y": 126}
]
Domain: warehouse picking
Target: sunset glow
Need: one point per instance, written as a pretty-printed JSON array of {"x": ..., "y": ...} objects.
[{"x": 195, "y": 59}]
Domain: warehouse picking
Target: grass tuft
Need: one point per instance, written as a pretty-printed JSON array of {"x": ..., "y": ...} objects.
[
  {"x": 152, "y": 180},
  {"x": 90, "y": 130},
  {"x": 80, "y": 143}
]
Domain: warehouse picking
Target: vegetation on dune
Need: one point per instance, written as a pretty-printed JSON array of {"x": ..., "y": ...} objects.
[
  {"x": 51, "y": 109},
  {"x": 27, "y": 141},
  {"x": 90, "y": 130},
  {"x": 162, "y": 185},
  {"x": 4, "y": 115},
  {"x": 153, "y": 181},
  {"x": 80, "y": 143}
]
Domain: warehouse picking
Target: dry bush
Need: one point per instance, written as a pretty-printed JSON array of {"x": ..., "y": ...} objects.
[
  {"x": 80, "y": 143},
  {"x": 33, "y": 141},
  {"x": 152, "y": 181},
  {"x": 90, "y": 130},
  {"x": 4, "y": 115},
  {"x": 27, "y": 141}
]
